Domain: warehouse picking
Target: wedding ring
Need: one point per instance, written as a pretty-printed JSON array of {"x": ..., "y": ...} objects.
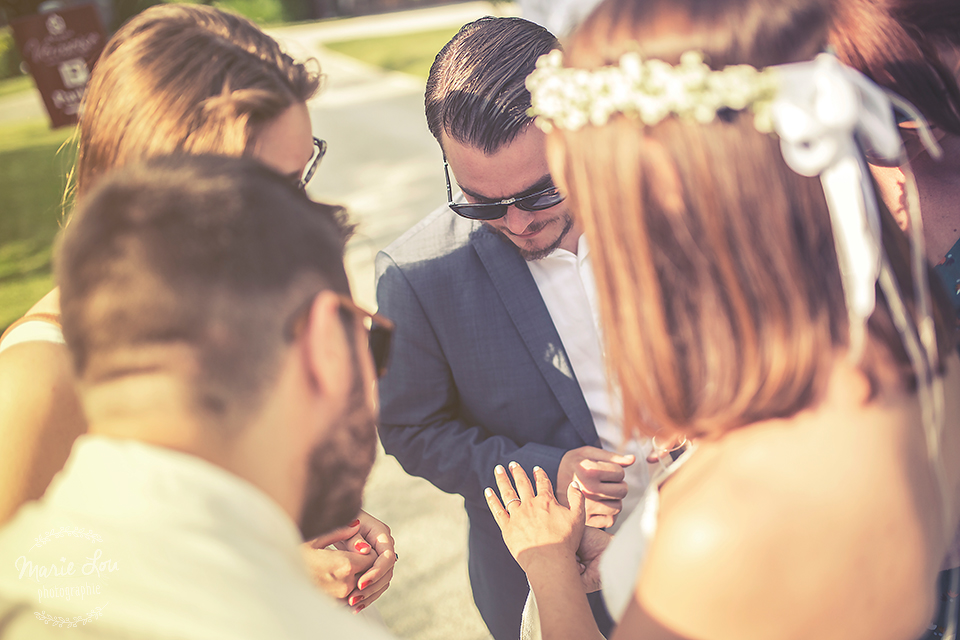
[{"x": 509, "y": 502}]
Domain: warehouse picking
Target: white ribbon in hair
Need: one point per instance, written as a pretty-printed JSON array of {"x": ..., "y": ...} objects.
[{"x": 821, "y": 109}]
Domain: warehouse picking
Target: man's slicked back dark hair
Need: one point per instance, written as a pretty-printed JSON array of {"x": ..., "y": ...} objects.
[{"x": 476, "y": 92}]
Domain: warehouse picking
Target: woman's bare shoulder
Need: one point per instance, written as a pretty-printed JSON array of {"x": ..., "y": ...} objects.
[
  {"x": 716, "y": 567},
  {"x": 35, "y": 364},
  {"x": 40, "y": 417},
  {"x": 788, "y": 524}
]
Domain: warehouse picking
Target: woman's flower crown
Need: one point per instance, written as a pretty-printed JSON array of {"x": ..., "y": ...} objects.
[
  {"x": 649, "y": 90},
  {"x": 823, "y": 113}
]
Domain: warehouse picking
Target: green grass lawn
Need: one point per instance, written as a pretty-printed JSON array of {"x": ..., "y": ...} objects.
[
  {"x": 263, "y": 12},
  {"x": 33, "y": 169},
  {"x": 411, "y": 53},
  {"x": 20, "y": 84}
]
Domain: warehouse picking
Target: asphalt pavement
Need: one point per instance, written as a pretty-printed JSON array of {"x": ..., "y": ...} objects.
[{"x": 385, "y": 167}]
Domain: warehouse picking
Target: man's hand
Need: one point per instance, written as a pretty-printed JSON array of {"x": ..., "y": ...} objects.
[
  {"x": 600, "y": 474},
  {"x": 359, "y": 567},
  {"x": 592, "y": 545}
]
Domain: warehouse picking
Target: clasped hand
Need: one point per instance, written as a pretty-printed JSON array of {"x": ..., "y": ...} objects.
[
  {"x": 600, "y": 474},
  {"x": 359, "y": 567},
  {"x": 538, "y": 530}
]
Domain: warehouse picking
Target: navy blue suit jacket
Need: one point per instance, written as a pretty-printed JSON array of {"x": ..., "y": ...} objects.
[{"x": 478, "y": 377}]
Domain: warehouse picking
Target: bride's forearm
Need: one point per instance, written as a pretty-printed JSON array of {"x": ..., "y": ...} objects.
[{"x": 561, "y": 601}]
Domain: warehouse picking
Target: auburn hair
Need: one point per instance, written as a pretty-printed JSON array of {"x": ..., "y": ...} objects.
[
  {"x": 715, "y": 263},
  {"x": 895, "y": 43},
  {"x": 184, "y": 78}
]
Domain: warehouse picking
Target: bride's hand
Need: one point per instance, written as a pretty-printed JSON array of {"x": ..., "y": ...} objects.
[{"x": 536, "y": 525}]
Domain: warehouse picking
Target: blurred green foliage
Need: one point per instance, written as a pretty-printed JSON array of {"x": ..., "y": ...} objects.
[
  {"x": 17, "y": 84},
  {"x": 9, "y": 56},
  {"x": 266, "y": 12},
  {"x": 34, "y": 163}
]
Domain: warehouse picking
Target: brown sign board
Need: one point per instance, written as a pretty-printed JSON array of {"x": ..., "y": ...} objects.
[{"x": 60, "y": 48}]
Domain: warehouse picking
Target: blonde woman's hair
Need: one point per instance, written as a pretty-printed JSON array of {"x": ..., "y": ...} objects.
[{"x": 184, "y": 78}]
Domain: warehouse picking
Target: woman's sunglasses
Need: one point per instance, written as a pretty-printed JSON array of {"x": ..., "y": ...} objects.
[{"x": 319, "y": 150}]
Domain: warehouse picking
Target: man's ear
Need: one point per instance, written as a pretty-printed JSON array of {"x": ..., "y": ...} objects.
[{"x": 326, "y": 354}]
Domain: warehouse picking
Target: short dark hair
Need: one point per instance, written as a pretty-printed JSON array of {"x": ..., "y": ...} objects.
[
  {"x": 206, "y": 254},
  {"x": 894, "y": 44},
  {"x": 476, "y": 91}
]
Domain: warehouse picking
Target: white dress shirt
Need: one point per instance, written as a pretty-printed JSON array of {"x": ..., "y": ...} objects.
[
  {"x": 186, "y": 550},
  {"x": 566, "y": 283}
]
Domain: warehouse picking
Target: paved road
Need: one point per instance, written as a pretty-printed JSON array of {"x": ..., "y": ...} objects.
[
  {"x": 21, "y": 106},
  {"x": 385, "y": 167}
]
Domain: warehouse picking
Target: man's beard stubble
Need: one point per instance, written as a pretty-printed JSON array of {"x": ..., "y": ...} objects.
[
  {"x": 539, "y": 254},
  {"x": 339, "y": 467}
]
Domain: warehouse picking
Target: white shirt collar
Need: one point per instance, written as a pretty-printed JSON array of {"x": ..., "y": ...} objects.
[{"x": 129, "y": 479}]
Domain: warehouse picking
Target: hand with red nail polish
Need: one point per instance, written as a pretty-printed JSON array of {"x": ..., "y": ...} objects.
[
  {"x": 354, "y": 559},
  {"x": 375, "y": 540},
  {"x": 334, "y": 565}
]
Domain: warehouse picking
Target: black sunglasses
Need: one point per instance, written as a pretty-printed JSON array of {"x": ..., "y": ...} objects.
[
  {"x": 379, "y": 329},
  {"x": 538, "y": 201},
  {"x": 319, "y": 150}
]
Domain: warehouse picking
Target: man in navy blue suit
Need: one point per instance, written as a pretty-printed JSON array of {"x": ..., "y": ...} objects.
[{"x": 497, "y": 355}]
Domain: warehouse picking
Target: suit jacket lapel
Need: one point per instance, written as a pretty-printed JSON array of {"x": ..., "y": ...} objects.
[{"x": 520, "y": 296}]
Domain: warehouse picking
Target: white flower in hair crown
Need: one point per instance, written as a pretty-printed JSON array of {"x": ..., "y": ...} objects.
[
  {"x": 649, "y": 90},
  {"x": 823, "y": 113}
]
